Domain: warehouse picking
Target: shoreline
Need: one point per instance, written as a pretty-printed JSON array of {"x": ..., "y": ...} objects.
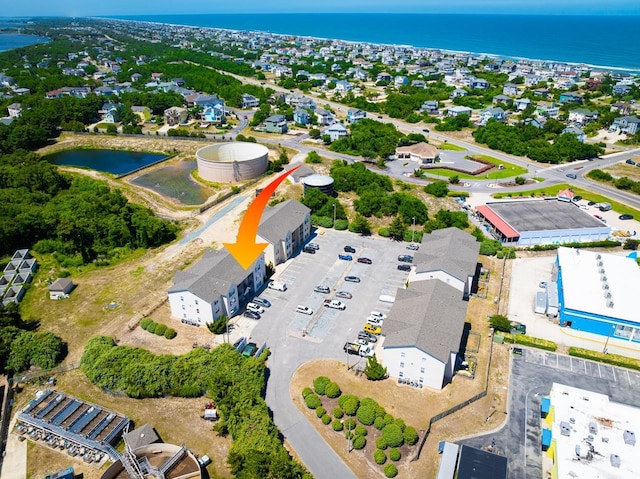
[{"x": 631, "y": 70}]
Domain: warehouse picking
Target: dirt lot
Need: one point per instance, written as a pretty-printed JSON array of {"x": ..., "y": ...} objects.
[
  {"x": 417, "y": 406},
  {"x": 622, "y": 169}
]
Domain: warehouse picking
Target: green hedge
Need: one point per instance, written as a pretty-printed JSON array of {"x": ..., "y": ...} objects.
[
  {"x": 612, "y": 359},
  {"x": 313, "y": 401},
  {"x": 366, "y": 415},
  {"x": 530, "y": 341},
  {"x": 320, "y": 383},
  {"x": 306, "y": 392},
  {"x": 320, "y": 411},
  {"x": 151, "y": 326},
  {"x": 332, "y": 390},
  {"x": 393, "y": 435},
  {"x": 170, "y": 333},
  {"x": 410, "y": 435},
  {"x": 379, "y": 423},
  {"x": 341, "y": 225},
  {"x": 160, "y": 329},
  {"x": 592, "y": 244}
]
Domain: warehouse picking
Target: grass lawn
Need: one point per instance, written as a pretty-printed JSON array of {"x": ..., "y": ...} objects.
[
  {"x": 586, "y": 194},
  {"x": 452, "y": 147},
  {"x": 509, "y": 170}
]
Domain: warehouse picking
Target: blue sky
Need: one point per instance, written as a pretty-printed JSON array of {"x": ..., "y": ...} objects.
[{"x": 159, "y": 7}]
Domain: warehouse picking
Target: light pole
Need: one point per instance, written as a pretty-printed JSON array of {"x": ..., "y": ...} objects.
[
  {"x": 348, "y": 435},
  {"x": 414, "y": 228},
  {"x": 611, "y": 330},
  {"x": 334, "y": 215}
]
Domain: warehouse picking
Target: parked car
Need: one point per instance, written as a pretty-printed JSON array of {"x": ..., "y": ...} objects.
[
  {"x": 349, "y": 249},
  {"x": 321, "y": 289},
  {"x": 346, "y": 257},
  {"x": 249, "y": 350},
  {"x": 315, "y": 246},
  {"x": 542, "y": 284},
  {"x": 413, "y": 246},
  {"x": 352, "y": 279},
  {"x": 517, "y": 351},
  {"x": 255, "y": 308},
  {"x": 262, "y": 302},
  {"x": 406, "y": 258},
  {"x": 335, "y": 304},
  {"x": 364, "y": 260},
  {"x": 625, "y": 216},
  {"x": 630, "y": 162},
  {"x": 377, "y": 314},
  {"x": 251, "y": 314},
  {"x": 404, "y": 267},
  {"x": 591, "y": 203},
  {"x": 372, "y": 338},
  {"x": 366, "y": 351},
  {"x": 577, "y": 198},
  {"x": 344, "y": 295},
  {"x": 374, "y": 321},
  {"x": 277, "y": 285},
  {"x": 573, "y": 176},
  {"x": 304, "y": 309},
  {"x": 306, "y": 249},
  {"x": 239, "y": 342},
  {"x": 370, "y": 328},
  {"x": 600, "y": 218}
]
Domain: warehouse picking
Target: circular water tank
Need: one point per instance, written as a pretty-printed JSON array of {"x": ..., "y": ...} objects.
[
  {"x": 323, "y": 183},
  {"x": 230, "y": 162}
]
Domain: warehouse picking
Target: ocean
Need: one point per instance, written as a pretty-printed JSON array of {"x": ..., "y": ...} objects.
[
  {"x": 610, "y": 42},
  {"x": 9, "y": 41}
]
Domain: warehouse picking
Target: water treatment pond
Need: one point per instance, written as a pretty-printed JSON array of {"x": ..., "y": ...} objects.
[
  {"x": 174, "y": 181},
  {"x": 110, "y": 161}
]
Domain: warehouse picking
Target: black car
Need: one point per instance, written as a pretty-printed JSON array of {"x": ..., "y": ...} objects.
[
  {"x": 309, "y": 250},
  {"x": 251, "y": 314},
  {"x": 577, "y": 198},
  {"x": 407, "y": 258},
  {"x": 349, "y": 249},
  {"x": 352, "y": 279},
  {"x": 591, "y": 203},
  {"x": 625, "y": 216},
  {"x": 364, "y": 260},
  {"x": 321, "y": 289},
  {"x": 404, "y": 267}
]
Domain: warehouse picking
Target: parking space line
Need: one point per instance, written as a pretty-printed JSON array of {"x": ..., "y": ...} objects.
[
  {"x": 614, "y": 373},
  {"x": 599, "y": 372},
  {"x": 585, "y": 367}
]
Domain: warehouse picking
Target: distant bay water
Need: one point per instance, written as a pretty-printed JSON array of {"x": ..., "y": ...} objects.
[
  {"x": 9, "y": 41},
  {"x": 610, "y": 42}
]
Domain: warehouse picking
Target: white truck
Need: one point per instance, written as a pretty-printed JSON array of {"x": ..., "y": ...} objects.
[{"x": 335, "y": 304}]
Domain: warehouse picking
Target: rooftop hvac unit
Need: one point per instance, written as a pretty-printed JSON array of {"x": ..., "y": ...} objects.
[
  {"x": 601, "y": 271},
  {"x": 605, "y": 286},
  {"x": 607, "y": 294},
  {"x": 598, "y": 256},
  {"x": 610, "y": 304},
  {"x": 600, "y": 263},
  {"x": 603, "y": 278}
]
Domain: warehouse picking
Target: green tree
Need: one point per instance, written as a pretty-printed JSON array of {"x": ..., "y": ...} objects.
[
  {"x": 393, "y": 435},
  {"x": 439, "y": 189},
  {"x": 361, "y": 225},
  {"x": 500, "y": 323},
  {"x": 397, "y": 229},
  {"x": 374, "y": 370}
]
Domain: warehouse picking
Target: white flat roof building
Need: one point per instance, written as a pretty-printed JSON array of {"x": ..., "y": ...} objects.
[{"x": 591, "y": 436}]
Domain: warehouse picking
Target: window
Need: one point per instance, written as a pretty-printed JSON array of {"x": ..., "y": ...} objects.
[
  {"x": 402, "y": 355},
  {"x": 421, "y": 370},
  {"x": 181, "y": 298},
  {"x": 421, "y": 380},
  {"x": 401, "y": 365},
  {"x": 197, "y": 310},
  {"x": 196, "y": 301},
  {"x": 183, "y": 307},
  {"x": 184, "y": 315},
  {"x": 424, "y": 360}
]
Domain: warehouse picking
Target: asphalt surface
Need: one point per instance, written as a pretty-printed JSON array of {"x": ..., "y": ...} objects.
[
  {"x": 296, "y": 338},
  {"x": 532, "y": 376}
]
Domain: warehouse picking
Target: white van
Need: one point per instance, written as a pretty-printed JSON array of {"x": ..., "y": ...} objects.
[{"x": 277, "y": 285}]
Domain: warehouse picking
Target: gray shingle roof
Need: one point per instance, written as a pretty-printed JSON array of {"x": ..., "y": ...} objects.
[
  {"x": 451, "y": 250},
  {"x": 428, "y": 315},
  {"x": 143, "y": 436},
  {"x": 211, "y": 277},
  {"x": 283, "y": 218}
]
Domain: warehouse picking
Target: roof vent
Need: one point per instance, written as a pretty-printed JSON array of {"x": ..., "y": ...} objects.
[
  {"x": 603, "y": 278},
  {"x": 598, "y": 256},
  {"x": 600, "y": 263},
  {"x": 605, "y": 286},
  {"x": 601, "y": 271},
  {"x": 610, "y": 304},
  {"x": 607, "y": 294}
]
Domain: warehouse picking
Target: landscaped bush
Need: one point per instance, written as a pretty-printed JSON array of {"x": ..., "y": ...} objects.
[
  {"x": 144, "y": 324},
  {"x": 326, "y": 419},
  {"x": 410, "y": 435},
  {"x": 320, "y": 384},
  {"x": 613, "y": 359},
  {"x": 366, "y": 415},
  {"x": 350, "y": 406},
  {"x": 341, "y": 225},
  {"x": 530, "y": 341},
  {"x": 332, "y": 390},
  {"x": 393, "y": 434},
  {"x": 152, "y": 327},
  {"x": 390, "y": 470},
  {"x": 320, "y": 411},
  {"x": 338, "y": 413},
  {"x": 379, "y": 456},
  {"x": 313, "y": 401},
  {"x": 349, "y": 424},
  {"x": 359, "y": 442},
  {"x": 337, "y": 425},
  {"x": 388, "y": 419},
  {"x": 394, "y": 454},
  {"x": 306, "y": 392},
  {"x": 368, "y": 402},
  {"x": 160, "y": 329},
  {"x": 361, "y": 430},
  {"x": 170, "y": 333},
  {"x": 400, "y": 423},
  {"x": 379, "y": 423},
  {"x": 381, "y": 443}
]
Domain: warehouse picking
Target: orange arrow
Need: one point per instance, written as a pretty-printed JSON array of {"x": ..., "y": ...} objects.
[{"x": 245, "y": 250}]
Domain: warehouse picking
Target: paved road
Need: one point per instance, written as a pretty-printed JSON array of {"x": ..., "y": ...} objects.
[{"x": 532, "y": 376}]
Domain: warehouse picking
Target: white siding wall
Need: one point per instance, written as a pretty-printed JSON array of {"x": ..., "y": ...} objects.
[
  {"x": 441, "y": 275},
  {"x": 412, "y": 363},
  {"x": 579, "y": 235},
  {"x": 186, "y": 305}
]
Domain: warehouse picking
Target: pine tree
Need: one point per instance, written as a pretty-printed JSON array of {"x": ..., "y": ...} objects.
[{"x": 374, "y": 370}]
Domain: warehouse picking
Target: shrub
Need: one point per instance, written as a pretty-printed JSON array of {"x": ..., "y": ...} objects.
[
  {"x": 361, "y": 430},
  {"x": 379, "y": 456},
  {"x": 410, "y": 435},
  {"x": 152, "y": 327},
  {"x": 351, "y": 406},
  {"x": 400, "y": 423},
  {"x": 320, "y": 384},
  {"x": 161, "y": 329},
  {"x": 306, "y": 392},
  {"x": 388, "y": 419},
  {"x": 170, "y": 333},
  {"x": 326, "y": 419},
  {"x": 344, "y": 398},
  {"x": 144, "y": 324},
  {"x": 381, "y": 443},
  {"x": 393, "y": 434},
  {"x": 394, "y": 454},
  {"x": 337, "y": 425},
  {"x": 379, "y": 423},
  {"x": 341, "y": 225},
  {"x": 366, "y": 415},
  {"x": 320, "y": 411},
  {"x": 359, "y": 442},
  {"x": 390, "y": 470},
  {"x": 338, "y": 413},
  {"x": 313, "y": 401},
  {"x": 332, "y": 390}
]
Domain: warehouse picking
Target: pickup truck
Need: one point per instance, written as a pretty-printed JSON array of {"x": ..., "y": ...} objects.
[
  {"x": 352, "y": 348},
  {"x": 334, "y": 303}
]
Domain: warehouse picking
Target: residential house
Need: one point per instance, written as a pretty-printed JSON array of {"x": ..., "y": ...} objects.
[
  {"x": 285, "y": 228},
  {"x": 249, "y": 101},
  {"x": 276, "y": 124},
  {"x": 570, "y": 97},
  {"x": 110, "y": 112},
  {"x": 579, "y": 134},
  {"x": 459, "y": 110},
  {"x": 533, "y": 80},
  {"x": 430, "y": 107},
  {"x": 215, "y": 286},
  {"x": 522, "y": 103},
  {"x": 621, "y": 89},
  {"x": 175, "y": 115},
  {"x": 425, "y": 327},
  {"x": 422, "y": 153},
  {"x": 496, "y": 113},
  {"x": 144, "y": 112},
  {"x": 458, "y": 92},
  {"x": 343, "y": 86},
  {"x": 215, "y": 113},
  {"x": 135, "y": 77},
  {"x": 103, "y": 90},
  {"x": 384, "y": 76},
  {"x": 478, "y": 83},
  {"x": 537, "y": 122},
  {"x": 418, "y": 84},
  {"x": 400, "y": 80},
  {"x": 510, "y": 89},
  {"x": 582, "y": 116},
  {"x": 627, "y": 124},
  {"x": 548, "y": 109},
  {"x": 336, "y": 131},
  {"x": 324, "y": 117},
  {"x": 60, "y": 288},
  {"x": 507, "y": 100},
  {"x": 621, "y": 107},
  {"x": 301, "y": 116},
  {"x": 354, "y": 115},
  {"x": 542, "y": 92},
  {"x": 14, "y": 110}
]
